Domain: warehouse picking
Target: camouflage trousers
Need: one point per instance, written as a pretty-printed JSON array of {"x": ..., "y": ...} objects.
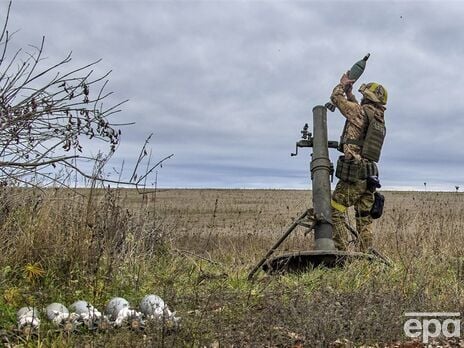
[{"x": 352, "y": 194}]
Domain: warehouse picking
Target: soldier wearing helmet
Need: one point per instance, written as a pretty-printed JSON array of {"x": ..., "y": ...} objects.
[{"x": 361, "y": 144}]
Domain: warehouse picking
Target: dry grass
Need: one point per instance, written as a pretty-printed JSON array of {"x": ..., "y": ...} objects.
[
  {"x": 414, "y": 224},
  {"x": 195, "y": 247}
]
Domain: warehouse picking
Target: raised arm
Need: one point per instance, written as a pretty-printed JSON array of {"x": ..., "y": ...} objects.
[{"x": 344, "y": 100}]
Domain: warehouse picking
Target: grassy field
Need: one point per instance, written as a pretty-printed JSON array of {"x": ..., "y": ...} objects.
[{"x": 194, "y": 248}]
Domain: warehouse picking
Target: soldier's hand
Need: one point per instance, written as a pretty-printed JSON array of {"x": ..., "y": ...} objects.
[
  {"x": 348, "y": 89},
  {"x": 346, "y": 82}
]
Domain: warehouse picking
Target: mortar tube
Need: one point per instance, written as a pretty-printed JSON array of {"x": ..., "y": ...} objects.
[{"x": 320, "y": 174}]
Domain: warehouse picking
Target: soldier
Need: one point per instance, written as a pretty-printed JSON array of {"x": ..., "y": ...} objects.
[{"x": 361, "y": 143}]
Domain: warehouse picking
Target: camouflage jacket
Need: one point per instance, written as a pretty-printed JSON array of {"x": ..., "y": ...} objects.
[{"x": 356, "y": 120}]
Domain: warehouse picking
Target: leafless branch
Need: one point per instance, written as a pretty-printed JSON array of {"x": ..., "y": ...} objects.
[{"x": 47, "y": 111}]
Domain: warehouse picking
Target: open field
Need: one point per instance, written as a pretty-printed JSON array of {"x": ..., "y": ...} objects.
[{"x": 194, "y": 248}]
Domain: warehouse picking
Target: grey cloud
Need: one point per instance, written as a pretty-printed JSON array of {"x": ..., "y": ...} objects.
[{"x": 226, "y": 86}]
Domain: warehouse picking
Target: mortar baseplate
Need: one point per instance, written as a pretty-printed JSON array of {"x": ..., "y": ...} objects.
[{"x": 303, "y": 261}]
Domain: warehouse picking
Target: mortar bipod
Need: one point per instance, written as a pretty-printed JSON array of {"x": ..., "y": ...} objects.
[
  {"x": 307, "y": 220},
  {"x": 370, "y": 250}
]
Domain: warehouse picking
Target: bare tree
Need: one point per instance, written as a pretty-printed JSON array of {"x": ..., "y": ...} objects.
[{"x": 46, "y": 112}]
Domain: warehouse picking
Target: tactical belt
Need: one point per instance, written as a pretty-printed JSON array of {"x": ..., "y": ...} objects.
[{"x": 353, "y": 170}]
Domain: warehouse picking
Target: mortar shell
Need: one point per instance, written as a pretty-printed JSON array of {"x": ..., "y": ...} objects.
[
  {"x": 27, "y": 312},
  {"x": 55, "y": 309},
  {"x": 82, "y": 307},
  {"x": 152, "y": 305},
  {"x": 115, "y": 305}
]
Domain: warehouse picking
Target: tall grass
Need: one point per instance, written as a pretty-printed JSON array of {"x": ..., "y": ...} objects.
[{"x": 194, "y": 248}]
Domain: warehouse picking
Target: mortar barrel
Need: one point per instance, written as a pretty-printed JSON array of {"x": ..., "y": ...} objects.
[{"x": 320, "y": 174}]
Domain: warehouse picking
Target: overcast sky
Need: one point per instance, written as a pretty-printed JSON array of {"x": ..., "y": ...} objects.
[{"x": 227, "y": 85}]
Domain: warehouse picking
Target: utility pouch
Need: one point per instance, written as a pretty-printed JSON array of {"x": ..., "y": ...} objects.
[
  {"x": 370, "y": 169},
  {"x": 373, "y": 183},
  {"x": 348, "y": 170},
  {"x": 377, "y": 207}
]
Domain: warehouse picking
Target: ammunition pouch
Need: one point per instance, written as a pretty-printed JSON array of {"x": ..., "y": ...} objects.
[
  {"x": 348, "y": 170},
  {"x": 377, "y": 207},
  {"x": 353, "y": 170},
  {"x": 369, "y": 168}
]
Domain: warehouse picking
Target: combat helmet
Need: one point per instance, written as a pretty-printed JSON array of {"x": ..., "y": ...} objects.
[{"x": 374, "y": 92}]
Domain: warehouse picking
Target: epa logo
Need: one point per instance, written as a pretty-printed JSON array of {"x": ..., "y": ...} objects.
[{"x": 432, "y": 324}]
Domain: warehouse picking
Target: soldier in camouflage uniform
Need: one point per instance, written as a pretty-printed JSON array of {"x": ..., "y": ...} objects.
[{"x": 352, "y": 189}]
